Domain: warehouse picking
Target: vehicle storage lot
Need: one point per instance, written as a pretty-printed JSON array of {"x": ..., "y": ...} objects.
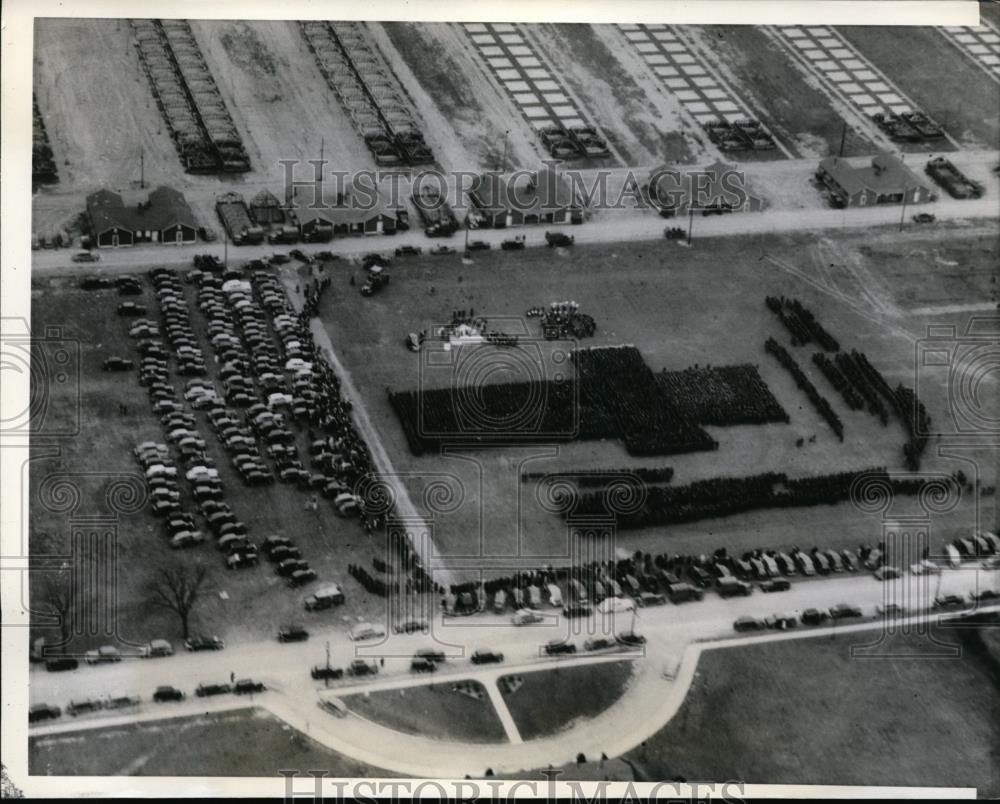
[
  {"x": 695, "y": 309},
  {"x": 257, "y": 602},
  {"x": 805, "y": 712}
]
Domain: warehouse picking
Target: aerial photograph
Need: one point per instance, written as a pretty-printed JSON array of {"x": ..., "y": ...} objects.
[{"x": 592, "y": 402}]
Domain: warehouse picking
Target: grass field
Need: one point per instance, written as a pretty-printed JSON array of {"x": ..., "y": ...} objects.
[
  {"x": 939, "y": 78},
  {"x": 679, "y": 308},
  {"x": 805, "y": 712},
  {"x": 435, "y": 711},
  {"x": 547, "y": 702},
  {"x": 247, "y": 742}
]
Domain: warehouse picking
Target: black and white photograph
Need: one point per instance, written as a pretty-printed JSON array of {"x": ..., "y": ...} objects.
[{"x": 422, "y": 400}]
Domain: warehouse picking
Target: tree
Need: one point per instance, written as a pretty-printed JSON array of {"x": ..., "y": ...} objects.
[
  {"x": 56, "y": 596},
  {"x": 177, "y": 588}
]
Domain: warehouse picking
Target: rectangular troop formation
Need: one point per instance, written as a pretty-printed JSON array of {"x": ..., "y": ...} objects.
[
  {"x": 43, "y": 165},
  {"x": 195, "y": 113},
  {"x": 705, "y": 96},
  {"x": 537, "y": 91},
  {"x": 829, "y": 56},
  {"x": 369, "y": 91}
]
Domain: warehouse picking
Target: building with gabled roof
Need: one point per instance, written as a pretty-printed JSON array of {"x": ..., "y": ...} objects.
[
  {"x": 164, "y": 217},
  {"x": 886, "y": 181}
]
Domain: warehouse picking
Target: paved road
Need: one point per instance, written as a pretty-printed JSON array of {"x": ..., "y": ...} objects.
[
  {"x": 608, "y": 226},
  {"x": 664, "y": 669}
]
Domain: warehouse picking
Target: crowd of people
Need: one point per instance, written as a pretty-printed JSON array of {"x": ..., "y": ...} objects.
[
  {"x": 801, "y": 323},
  {"x": 721, "y": 396},
  {"x": 819, "y": 401}
]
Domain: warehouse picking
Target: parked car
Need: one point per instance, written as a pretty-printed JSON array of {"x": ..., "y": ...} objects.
[
  {"x": 630, "y": 639},
  {"x": 949, "y": 602},
  {"x": 749, "y": 624},
  {"x": 84, "y": 707},
  {"x": 813, "y": 617},
  {"x": 363, "y": 632},
  {"x": 104, "y": 654},
  {"x": 434, "y": 654},
  {"x": 843, "y": 611},
  {"x": 526, "y": 617},
  {"x": 734, "y": 587},
  {"x": 781, "y": 622},
  {"x": 411, "y": 627},
  {"x": 683, "y": 592},
  {"x": 165, "y": 693},
  {"x": 421, "y": 664},
  {"x": 573, "y": 610},
  {"x": 60, "y": 664},
  {"x": 890, "y": 610},
  {"x": 293, "y": 633},
  {"x": 598, "y": 643},
  {"x": 301, "y": 577},
  {"x": 776, "y": 585},
  {"x": 322, "y": 672},
  {"x": 86, "y": 256},
  {"x": 485, "y": 656},
  {"x": 556, "y": 647},
  {"x": 324, "y": 598},
  {"x": 246, "y": 686},
  {"x": 158, "y": 647},
  {"x": 207, "y": 690},
  {"x": 41, "y": 712},
  {"x": 204, "y": 643},
  {"x": 360, "y": 667},
  {"x": 886, "y": 573}
]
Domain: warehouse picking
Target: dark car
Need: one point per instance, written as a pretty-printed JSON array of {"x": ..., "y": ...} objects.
[
  {"x": 557, "y": 646},
  {"x": 61, "y": 663},
  {"x": 777, "y": 585},
  {"x": 43, "y": 712},
  {"x": 598, "y": 643},
  {"x": 478, "y": 245},
  {"x": 949, "y": 602},
  {"x": 117, "y": 364},
  {"x": 421, "y": 664},
  {"x": 247, "y": 686},
  {"x": 293, "y": 633},
  {"x": 167, "y": 694},
  {"x": 813, "y": 617},
  {"x": 320, "y": 672},
  {"x": 204, "y": 643},
  {"x": 630, "y": 639},
  {"x": 206, "y": 690},
  {"x": 577, "y": 610},
  {"x": 83, "y": 707},
  {"x": 749, "y": 624},
  {"x": 484, "y": 656},
  {"x": 412, "y": 627},
  {"x": 301, "y": 577},
  {"x": 843, "y": 611},
  {"x": 433, "y": 654},
  {"x": 700, "y": 576},
  {"x": 290, "y": 565},
  {"x": 359, "y": 667}
]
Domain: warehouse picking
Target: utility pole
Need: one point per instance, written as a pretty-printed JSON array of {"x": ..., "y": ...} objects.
[
  {"x": 142, "y": 168},
  {"x": 902, "y": 215},
  {"x": 843, "y": 138},
  {"x": 322, "y": 145},
  {"x": 503, "y": 168},
  {"x": 466, "y": 254},
  {"x": 690, "y": 222}
]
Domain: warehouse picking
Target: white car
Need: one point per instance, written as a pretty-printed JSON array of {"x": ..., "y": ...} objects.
[
  {"x": 186, "y": 538},
  {"x": 159, "y": 470},
  {"x": 298, "y": 364},
  {"x": 615, "y": 605},
  {"x": 925, "y": 567},
  {"x": 201, "y": 471},
  {"x": 362, "y": 632},
  {"x": 526, "y": 617}
]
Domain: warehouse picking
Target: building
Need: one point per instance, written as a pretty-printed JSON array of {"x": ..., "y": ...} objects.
[
  {"x": 886, "y": 181},
  {"x": 164, "y": 217},
  {"x": 320, "y": 223},
  {"x": 678, "y": 191},
  {"x": 266, "y": 209},
  {"x": 523, "y": 199}
]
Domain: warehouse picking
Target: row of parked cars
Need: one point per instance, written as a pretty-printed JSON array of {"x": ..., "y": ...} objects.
[{"x": 162, "y": 694}]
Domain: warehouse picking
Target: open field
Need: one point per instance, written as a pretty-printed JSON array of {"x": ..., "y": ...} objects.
[
  {"x": 435, "y": 710},
  {"x": 788, "y": 103},
  {"x": 806, "y": 712},
  {"x": 944, "y": 82},
  {"x": 694, "y": 310},
  {"x": 256, "y": 601},
  {"x": 248, "y": 742},
  {"x": 547, "y": 702}
]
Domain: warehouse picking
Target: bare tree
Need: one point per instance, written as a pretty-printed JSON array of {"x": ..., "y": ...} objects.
[
  {"x": 177, "y": 588},
  {"x": 56, "y": 598}
]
